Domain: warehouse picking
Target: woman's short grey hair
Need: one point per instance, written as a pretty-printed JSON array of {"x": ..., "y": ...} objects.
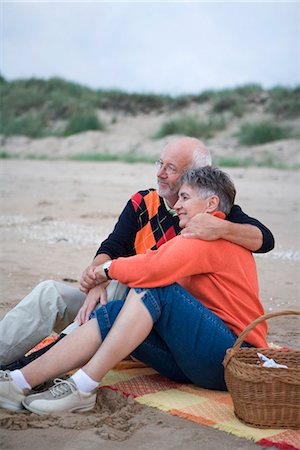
[{"x": 212, "y": 181}]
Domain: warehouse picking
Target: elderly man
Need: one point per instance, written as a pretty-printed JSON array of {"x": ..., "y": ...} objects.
[{"x": 147, "y": 222}]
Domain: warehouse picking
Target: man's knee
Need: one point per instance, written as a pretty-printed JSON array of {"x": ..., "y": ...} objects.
[
  {"x": 53, "y": 298},
  {"x": 47, "y": 284},
  {"x": 55, "y": 288},
  {"x": 46, "y": 292}
]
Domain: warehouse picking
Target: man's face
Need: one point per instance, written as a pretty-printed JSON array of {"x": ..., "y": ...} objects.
[
  {"x": 168, "y": 180},
  {"x": 173, "y": 162}
]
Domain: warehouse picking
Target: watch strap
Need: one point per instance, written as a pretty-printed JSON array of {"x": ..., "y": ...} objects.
[{"x": 106, "y": 266}]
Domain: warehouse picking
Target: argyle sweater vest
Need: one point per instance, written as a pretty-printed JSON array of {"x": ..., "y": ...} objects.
[{"x": 155, "y": 223}]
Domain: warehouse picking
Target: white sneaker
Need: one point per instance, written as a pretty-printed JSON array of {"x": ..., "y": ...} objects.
[
  {"x": 11, "y": 395},
  {"x": 62, "y": 396}
]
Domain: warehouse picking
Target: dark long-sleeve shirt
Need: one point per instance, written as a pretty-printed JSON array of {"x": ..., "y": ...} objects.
[{"x": 147, "y": 223}]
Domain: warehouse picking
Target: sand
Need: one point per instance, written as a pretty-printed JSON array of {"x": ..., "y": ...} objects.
[{"x": 53, "y": 216}]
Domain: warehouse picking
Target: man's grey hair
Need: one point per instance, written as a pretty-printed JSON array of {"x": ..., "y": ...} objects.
[
  {"x": 212, "y": 181},
  {"x": 201, "y": 158}
]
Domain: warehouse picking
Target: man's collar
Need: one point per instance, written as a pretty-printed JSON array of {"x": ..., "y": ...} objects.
[{"x": 169, "y": 209}]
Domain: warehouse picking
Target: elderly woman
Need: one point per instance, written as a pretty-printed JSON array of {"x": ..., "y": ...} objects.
[{"x": 189, "y": 301}]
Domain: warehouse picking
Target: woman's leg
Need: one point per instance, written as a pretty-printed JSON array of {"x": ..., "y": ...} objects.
[
  {"x": 83, "y": 346},
  {"x": 190, "y": 345},
  {"x": 71, "y": 352},
  {"x": 131, "y": 327},
  {"x": 196, "y": 338},
  {"x": 191, "y": 342}
]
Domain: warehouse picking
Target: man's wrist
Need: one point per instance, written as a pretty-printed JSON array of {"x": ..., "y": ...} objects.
[
  {"x": 106, "y": 267},
  {"x": 225, "y": 229},
  {"x": 100, "y": 259}
]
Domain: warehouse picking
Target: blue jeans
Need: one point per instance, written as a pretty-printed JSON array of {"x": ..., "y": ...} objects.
[{"x": 187, "y": 343}]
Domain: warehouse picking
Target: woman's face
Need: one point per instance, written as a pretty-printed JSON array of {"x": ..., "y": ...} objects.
[{"x": 189, "y": 204}]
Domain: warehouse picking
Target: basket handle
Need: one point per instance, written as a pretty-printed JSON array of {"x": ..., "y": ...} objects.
[{"x": 260, "y": 319}]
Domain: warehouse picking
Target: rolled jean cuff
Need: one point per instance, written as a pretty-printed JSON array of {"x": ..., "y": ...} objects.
[
  {"x": 107, "y": 314},
  {"x": 151, "y": 303},
  {"x": 104, "y": 323}
]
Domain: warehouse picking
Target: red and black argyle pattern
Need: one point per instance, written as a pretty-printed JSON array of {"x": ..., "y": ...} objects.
[{"x": 156, "y": 224}]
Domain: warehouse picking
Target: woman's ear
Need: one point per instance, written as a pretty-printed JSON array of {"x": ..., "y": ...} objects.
[{"x": 212, "y": 203}]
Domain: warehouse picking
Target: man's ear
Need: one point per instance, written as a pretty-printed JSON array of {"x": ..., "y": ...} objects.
[{"x": 212, "y": 203}]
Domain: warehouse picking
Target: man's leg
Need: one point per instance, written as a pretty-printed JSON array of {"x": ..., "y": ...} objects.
[
  {"x": 73, "y": 299},
  {"x": 49, "y": 306}
]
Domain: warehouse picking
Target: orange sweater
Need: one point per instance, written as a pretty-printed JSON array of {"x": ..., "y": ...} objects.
[{"x": 220, "y": 274}]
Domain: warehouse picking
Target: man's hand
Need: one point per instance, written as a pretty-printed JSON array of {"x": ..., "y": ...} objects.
[
  {"x": 209, "y": 228},
  {"x": 88, "y": 279},
  {"x": 99, "y": 274},
  {"x": 205, "y": 226},
  {"x": 96, "y": 295}
]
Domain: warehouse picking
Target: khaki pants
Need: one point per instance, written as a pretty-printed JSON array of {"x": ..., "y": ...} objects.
[{"x": 50, "y": 306}]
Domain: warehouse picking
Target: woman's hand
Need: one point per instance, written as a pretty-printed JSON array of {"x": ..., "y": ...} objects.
[{"x": 96, "y": 295}]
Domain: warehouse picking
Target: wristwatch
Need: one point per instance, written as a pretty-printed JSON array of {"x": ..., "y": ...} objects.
[{"x": 106, "y": 267}]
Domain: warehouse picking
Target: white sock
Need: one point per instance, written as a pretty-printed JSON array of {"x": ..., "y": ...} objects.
[
  {"x": 84, "y": 382},
  {"x": 19, "y": 379}
]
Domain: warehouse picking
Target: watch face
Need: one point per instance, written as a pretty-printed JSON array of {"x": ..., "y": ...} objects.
[{"x": 107, "y": 264}]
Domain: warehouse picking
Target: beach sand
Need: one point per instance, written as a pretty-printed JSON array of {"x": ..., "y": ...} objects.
[{"x": 54, "y": 214}]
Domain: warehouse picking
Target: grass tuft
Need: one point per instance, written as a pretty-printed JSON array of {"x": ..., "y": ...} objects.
[
  {"x": 267, "y": 162},
  {"x": 30, "y": 125},
  {"x": 229, "y": 102},
  {"x": 256, "y": 133},
  {"x": 232, "y": 161},
  {"x": 130, "y": 157},
  {"x": 6, "y": 155},
  {"x": 101, "y": 157},
  {"x": 190, "y": 126},
  {"x": 83, "y": 121},
  {"x": 285, "y": 103}
]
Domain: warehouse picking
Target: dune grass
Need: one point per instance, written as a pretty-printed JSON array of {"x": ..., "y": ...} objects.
[
  {"x": 189, "y": 125},
  {"x": 129, "y": 157},
  {"x": 284, "y": 103},
  {"x": 83, "y": 121},
  {"x": 33, "y": 107},
  {"x": 267, "y": 162},
  {"x": 256, "y": 133}
]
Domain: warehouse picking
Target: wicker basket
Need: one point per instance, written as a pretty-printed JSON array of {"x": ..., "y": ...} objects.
[{"x": 264, "y": 397}]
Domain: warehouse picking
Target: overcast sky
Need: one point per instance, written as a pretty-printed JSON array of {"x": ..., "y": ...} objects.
[{"x": 153, "y": 47}]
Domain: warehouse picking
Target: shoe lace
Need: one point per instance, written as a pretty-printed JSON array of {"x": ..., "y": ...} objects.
[{"x": 62, "y": 387}]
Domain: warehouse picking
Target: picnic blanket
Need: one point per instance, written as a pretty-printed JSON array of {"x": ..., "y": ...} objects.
[{"x": 203, "y": 406}]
